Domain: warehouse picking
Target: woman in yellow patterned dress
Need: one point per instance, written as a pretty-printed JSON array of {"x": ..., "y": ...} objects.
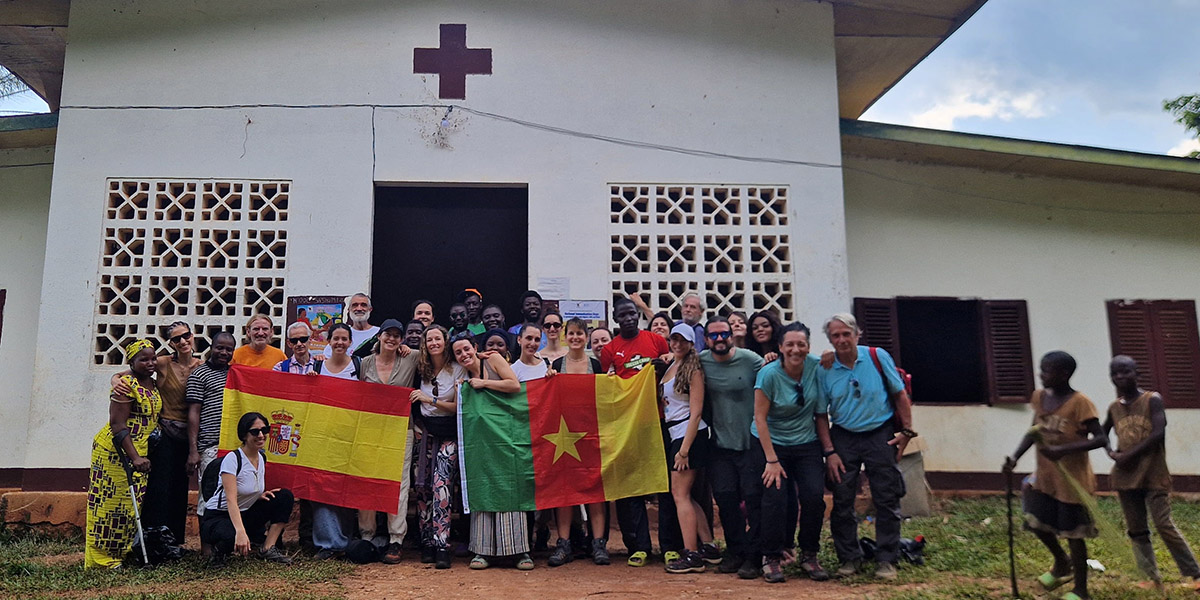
[{"x": 131, "y": 418}]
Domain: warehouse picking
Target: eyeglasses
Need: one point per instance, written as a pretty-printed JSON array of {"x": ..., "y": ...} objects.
[
  {"x": 298, "y": 340},
  {"x": 799, "y": 394},
  {"x": 462, "y": 335},
  {"x": 263, "y": 431},
  {"x": 718, "y": 335},
  {"x": 553, "y": 325},
  {"x": 187, "y": 335}
]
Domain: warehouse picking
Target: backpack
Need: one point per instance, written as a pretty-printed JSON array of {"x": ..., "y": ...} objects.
[
  {"x": 212, "y": 476},
  {"x": 904, "y": 376}
]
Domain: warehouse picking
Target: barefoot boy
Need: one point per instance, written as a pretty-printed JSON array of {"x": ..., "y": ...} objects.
[
  {"x": 1139, "y": 473},
  {"x": 1065, "y": 428}
]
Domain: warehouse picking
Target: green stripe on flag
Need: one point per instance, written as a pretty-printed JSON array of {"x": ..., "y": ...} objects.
[{"x": 497, "y": 452}]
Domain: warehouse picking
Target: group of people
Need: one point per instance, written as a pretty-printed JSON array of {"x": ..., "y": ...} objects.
[{"x": 751, "y": 420}]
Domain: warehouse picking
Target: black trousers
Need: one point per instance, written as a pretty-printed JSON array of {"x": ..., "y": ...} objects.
[
  {"x": 634, "y": 523},
  {"x": 217, "y": 530},
  {"x": 869, "y": 450},
  {"x": 732, "y": 474},
  {"x": 166, "y": 502},
  {"x": 805, "y": 470}
]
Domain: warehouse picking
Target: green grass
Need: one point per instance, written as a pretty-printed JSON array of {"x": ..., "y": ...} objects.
[
  {"x": 29, "y": 570},
  {"x": 966, "y": 555}
]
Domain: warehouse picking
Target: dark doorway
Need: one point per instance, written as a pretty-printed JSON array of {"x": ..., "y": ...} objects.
[
  {"x": 431, "y": 242},
  {"x": 942, "y": 347}
]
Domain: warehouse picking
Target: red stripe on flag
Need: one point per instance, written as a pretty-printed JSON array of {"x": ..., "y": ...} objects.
[
  {"x": 335, "y": 488},
  {"x": 330, "y": 391},
  {"x": 566, "y": 481}
]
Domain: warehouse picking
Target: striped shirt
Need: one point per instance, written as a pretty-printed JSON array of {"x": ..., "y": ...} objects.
[{"x": 206, "y": 387}]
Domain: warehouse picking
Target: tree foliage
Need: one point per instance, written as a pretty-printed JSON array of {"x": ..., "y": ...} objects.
[
  {"x": 1186, "y": 109},
  {"x": 10, "y": 84}
]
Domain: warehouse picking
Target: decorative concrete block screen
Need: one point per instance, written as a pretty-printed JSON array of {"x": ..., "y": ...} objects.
[
  {"x": 207, "y": 252},
  {"x": 728, "y": 244}
]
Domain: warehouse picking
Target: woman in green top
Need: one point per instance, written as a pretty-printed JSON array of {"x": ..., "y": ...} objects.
[{"x": 790, "y": 422}]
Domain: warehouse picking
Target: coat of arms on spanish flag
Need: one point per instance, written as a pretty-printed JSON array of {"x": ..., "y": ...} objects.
[
  {"x": 332, "y": 440},
  {"x": 562, "y": 441}
]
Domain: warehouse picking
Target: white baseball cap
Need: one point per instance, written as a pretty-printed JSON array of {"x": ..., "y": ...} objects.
[{"x": 686, "y": 331}]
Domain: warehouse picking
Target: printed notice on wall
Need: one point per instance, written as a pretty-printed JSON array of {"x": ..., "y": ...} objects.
[{"x": 554, "y": 287}]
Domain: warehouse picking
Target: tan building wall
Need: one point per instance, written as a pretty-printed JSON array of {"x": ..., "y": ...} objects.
[{"x": 1063, "y": 245}]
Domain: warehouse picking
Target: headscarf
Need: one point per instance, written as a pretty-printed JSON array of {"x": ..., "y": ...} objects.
[
  {"x": 133, "y": 348},
  {"x": 491, "y": 333}
]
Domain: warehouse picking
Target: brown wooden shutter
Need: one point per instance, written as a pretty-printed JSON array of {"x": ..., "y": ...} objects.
[
  {"x": 1161, "y": 335},
  {"x": 1007, "y": 351},
  {"x": 877, "y": 318}
]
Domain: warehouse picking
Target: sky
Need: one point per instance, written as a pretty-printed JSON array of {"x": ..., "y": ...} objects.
[{"x": 1090, "y": 73}]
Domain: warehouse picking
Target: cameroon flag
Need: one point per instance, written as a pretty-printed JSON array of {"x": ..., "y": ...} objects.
[
  {"x": 332, "y": 440},
  {"x": 566, "y": 440}
]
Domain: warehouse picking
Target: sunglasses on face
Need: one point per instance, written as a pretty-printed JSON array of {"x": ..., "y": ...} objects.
[
  {"x": 553, "y": 325},
  {"x": 299, "y": 340},
  {"x": 264, "y": 431},
  {"x": 718, "y": 335},
  {"x": 175, "y": 339}
]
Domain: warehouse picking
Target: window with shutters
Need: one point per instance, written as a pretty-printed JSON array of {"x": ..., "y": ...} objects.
[
  {"x": 1161, "y": 336},
  {"x": 958, "y": 351}
]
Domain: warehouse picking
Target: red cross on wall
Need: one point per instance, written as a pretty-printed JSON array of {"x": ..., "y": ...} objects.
[{"x": 452, "y": 62}]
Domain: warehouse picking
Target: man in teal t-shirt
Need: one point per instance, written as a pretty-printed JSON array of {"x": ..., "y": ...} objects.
[{"x": 729, "y": 374}]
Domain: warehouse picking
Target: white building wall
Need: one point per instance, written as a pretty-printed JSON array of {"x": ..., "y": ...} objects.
[
  {"x": 1064, "y": 246},
  {"x": 24, "y": 204},
  {"x": 749, "y": 79}
]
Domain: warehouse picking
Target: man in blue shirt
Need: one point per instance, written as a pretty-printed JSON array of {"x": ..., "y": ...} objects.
[{"x": 868, "y": 409}]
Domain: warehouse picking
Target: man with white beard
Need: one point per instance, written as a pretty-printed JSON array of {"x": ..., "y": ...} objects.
[{"x": 358, "y": 311}]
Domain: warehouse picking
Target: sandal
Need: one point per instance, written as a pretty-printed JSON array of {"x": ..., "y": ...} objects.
[
  {"x": 524, "y": 563},
  {"x": 1050, "y": 581},
  {"x": 479, "y": 563},
  {"x": 637, "y": 559}
]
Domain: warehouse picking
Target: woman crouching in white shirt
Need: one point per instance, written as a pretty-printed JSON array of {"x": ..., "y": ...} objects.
[{"x": 261, "y": 515}]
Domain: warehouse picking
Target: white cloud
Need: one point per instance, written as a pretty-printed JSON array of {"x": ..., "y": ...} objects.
[
  {"x": 981, "y": 98},
  {"x": 1185, "y": 147}
]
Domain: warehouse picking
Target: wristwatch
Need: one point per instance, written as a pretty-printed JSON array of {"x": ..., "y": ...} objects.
[
  {"x": 908, "y": 433},
  {"x": 828, "y": 453}
]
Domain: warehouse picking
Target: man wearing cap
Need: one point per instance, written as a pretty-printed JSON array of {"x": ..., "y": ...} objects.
[
  {"x": 472, "y": 300},
  {"x": 393, "y": 363},
  {"x": 358, "y": 314}
]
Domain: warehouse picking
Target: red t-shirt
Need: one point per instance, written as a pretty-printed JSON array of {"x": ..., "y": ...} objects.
[{"x": 629, "y": 356}]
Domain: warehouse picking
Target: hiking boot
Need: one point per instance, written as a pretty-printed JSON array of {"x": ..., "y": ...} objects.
[
  {"x": 711, "y": 554},
  {"x": 670, "y": 555},
  {"x": 847, "y": 569},
  {"x": 812, "y": 567},
  {"x": 751, "y": 568},
  {"x": 600, "y": 552},
  {"x": 428, "y": 556},
  {"x": 731, "y": 563},
  {"x": 885, "y": 570},
  {"x": 391, "y": 554},
  {"x": 273, "y": 554},
  {"x": 562, "y": 554},
  {"x": 218, "y": 560},
  {"x": 441, "y": 558},
  {"x": 689, "y": 562},
  {"x": 772, "y": 572}
]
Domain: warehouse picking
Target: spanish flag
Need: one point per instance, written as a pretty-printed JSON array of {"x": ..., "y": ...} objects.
[
  {"x": 332, "y": 440},
  {"x": 562, "y": 441}
]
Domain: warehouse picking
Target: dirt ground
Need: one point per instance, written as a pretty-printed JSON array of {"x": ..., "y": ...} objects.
[{"x": 579, "y": 579}]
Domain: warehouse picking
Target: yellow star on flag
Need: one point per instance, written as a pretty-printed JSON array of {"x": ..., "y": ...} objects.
[{"x": 564, "y": 440}]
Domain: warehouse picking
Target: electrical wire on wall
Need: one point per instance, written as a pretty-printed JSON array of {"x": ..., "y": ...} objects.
[{"x": 640, "y": 144}]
